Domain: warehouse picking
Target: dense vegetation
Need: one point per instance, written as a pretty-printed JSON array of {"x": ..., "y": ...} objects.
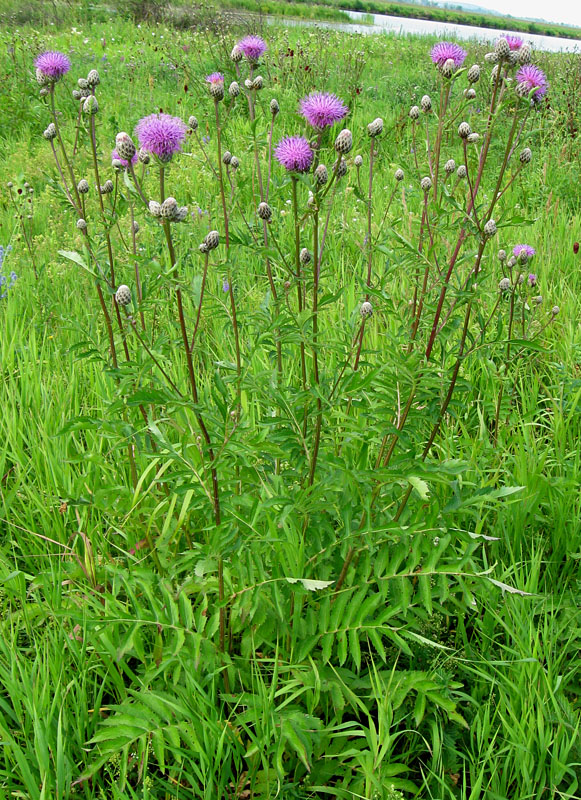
[{"x": 387, "y": 604}]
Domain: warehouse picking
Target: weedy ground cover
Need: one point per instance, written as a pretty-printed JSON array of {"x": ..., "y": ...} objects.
[{"x": 290, "y": 416}]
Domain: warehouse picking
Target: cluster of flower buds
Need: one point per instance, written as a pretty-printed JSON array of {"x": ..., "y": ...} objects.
[{"x": 168, "y": 210}]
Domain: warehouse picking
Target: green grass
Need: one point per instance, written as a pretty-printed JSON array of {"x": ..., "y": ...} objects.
[{"x": 418, "y": 677}]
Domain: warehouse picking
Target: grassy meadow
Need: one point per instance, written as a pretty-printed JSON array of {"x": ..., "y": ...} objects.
[{"x": 347, "y": 563}]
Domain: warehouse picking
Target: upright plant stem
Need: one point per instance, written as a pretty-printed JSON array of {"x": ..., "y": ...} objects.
[
  {"x": 319, "y": 421},
  {"x": 299, "y": 288}
]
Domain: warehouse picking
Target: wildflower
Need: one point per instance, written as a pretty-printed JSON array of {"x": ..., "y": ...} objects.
[
  {"x": 107, "y": 187},
  {"x": 81, "y": 224},
  {"x": 252, "y": 47},
  {"x": 502, "y": 48},
  {"x": 161, "y": 134},
  {"x": 93, "y": 79},
  {"x": 322, "y": 109},
  {"x": 169, "y": 208},
  {"x": 530, "y": 78},
  {"x": 225, "y": 286},
  {"x": 514, "y": 42},
  {"x": 193, "y": 123},
  {"x": 399, "y": 175},
  {"x": 555, "y": 310},
  {"x": 154, "y": 208},
  {"x": 523, "y": 252},
  {"x": 461, "y": 171},
  {"x": 426, "y": 103},
  {"x": 538, "y": 300},
  {"x": 526, "y": 156},
  {"x": 216, "y": 84},
  {"x": 445, "y": 51},
  {"x": 51, "y": 66},
  {"x": 472, "y": 138},
  {"x": 294, "y": 153},
  {"x": 123, "y": 295},
  {"x": 504, "y": 285},
  {"x": 366, "y": 309},
  {"x": 274, "y": 107},
  {"x": 321, "y": 175},
  {"x": 525, "y": 54},
  {"x": 91, "y": 106},
  {"x": 426, "y": 184},
  {"x": 450, "y": 166},
  {"x": 227, "y": 157},
  {"x": 234, "y": 89},
  {"x": 83, "y": 186},
  {"x": 50, "y": 132},
  {"x": 305, "y": 256},
  {"x": 532, "y": 280},
  {"x": 358, "y": 161},
  {"x": 342, "y": 168},
  {"x": 236, "y": 55},
  {"x": 264, "y": 211},
  {"x": 234, "y": 163},
  {"x": 414, "y": 112},
  {"x": 212, "y": 240},
  {"x": 257, "y": 83},
  {"x": 502, "y": 255}
]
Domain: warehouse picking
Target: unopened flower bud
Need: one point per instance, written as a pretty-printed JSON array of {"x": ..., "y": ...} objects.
[
  {"x": 502, "y": 48},
  {"x": 448, "y": 68},
  {"x": 469, "y": 94},
  {"x": 274, "y": 107},
  {"x": 44, "y": 92},
  {"x": 264, "y": 211},
  {"x": 450, "y": 166},
  {"x": 193, "y": 122},
  {"x": 117, "y": 164},
  {"x": 555, "y": 310},
  {"x": 248, "y": 83},
  {"x": 490, "y": 229},
  {"x": 492, "y": 58},
  {"x": 523, "y": 257},
  {"x": 426, "y": 184},
  {"x": 366, "y": 309},
  {"x": 358, "y": 161},
  {"x": 93, "y": 78},
  {"x": 464, "y": 130},
  {"x": 216, "y": 89},
  {"x": 472, "y": 138},
  {"x": 83, "y": 186},
  {"x": 203, "y": 247},
  {"x": 526, "y": 156},
  {"x": 538, "y": 299},
  {"x": 375, "y": 128},
  {"x": 258, "y": 83},
  {"x": 426, "y": 103},
  {"x": 124, "y": 146},
  {"x": 81, "y": 224},
  {"x": 305, "y": 256},
  {"x": 227, "y": 157},
  {"x": 342, "y": 168},
  {"x": 461, "y": 171},
  {"x": 234, "y": 89},
  {"x": 502, "y": 255},
  {"x": 82, "y": 83},
  {"x": 414, "y": 112},
  {"x": 504, "y": 285},
  {"x": 511, "y": 262},
  {"x": 399, "y": 175},
  {"x": 344, "y": 141},
  {"x": 473, "y": 74},
  {"x": 107, "y": 187},
  {"x": 91, "y": 106},
  {"x": 212, "y": 240},
  {"x": 181, "y": 214},
  {"x": 512, "y": 58},
  {"x": 234, "y": 163},
  {"x": 76, "y": 94},
  {"x": 236, "y": 55},
  {"x": 169, "y": 208},
  {"x": 524, "y": 54},
  {"x": 144, "y": 157},
  {"x": 321, "y": 175},
  {"x": 123, "y": 295},
  {"x": 50, "y": 132},
  {"x": 154, "y": 208},
  {"x": 135, "y": 227}
]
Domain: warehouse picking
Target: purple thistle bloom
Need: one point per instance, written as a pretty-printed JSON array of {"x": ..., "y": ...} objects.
[
  {"x": 53, "y": 64},
  {"x": 116, "y": 157},
  {"x": 532, "y": 279},
  {"x": 530, "y": 77},
  {"x": 322, "y": 109},
  {"x": 518, "y": 249},
  {"x": 161, "y": 134},
  {"x": 215, "y": 77},
  {"x": 514, "y": 42},
  {"x": 442, "y": 51},
  {"x": 294, "y": 153},
  {"x": 252, "y": 47}
]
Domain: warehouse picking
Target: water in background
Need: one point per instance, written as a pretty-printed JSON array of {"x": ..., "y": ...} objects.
[{"x": 402, "y": 25}]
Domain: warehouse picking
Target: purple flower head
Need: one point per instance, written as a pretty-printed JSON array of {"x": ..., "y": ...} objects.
[
  {"x": 518, "y": 249},
  {"x": 116, "y": 157},
  {"x": 294, "y": 153},
  {"x": 161, "y": 134},
  {"x": 53, "y": 65},
  {"x": 530, "y": 77},
  {"x": 322, "y": 109},
  {"x": 514, "y": 42},
  {"x": 252, "y": 47},
  {"x": 215, "y": 77},
  {"x": 442, "y": 51},
  {"x": 532, "y": 279}
]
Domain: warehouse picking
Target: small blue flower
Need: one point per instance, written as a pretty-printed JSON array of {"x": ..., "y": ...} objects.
[{"x": 225, "y": 286}]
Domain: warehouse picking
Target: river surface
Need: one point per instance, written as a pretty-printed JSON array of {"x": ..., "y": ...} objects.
[{"x": 403, "y": 25}]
